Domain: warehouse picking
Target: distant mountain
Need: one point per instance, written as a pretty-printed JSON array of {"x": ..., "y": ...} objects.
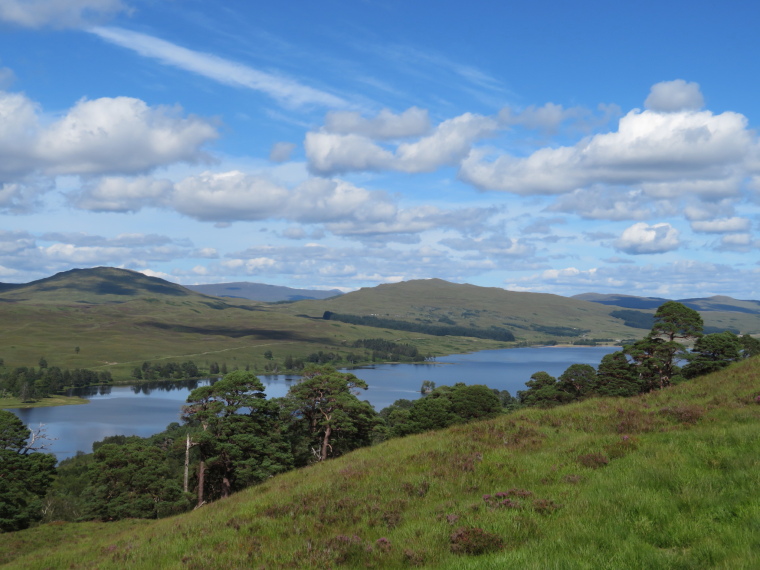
[
  {"x": 719, "y": 303},
  {"x": 95, "y": 285},
  {"x": 262, "y": 292},
  {"x": 438, "y": 303}
]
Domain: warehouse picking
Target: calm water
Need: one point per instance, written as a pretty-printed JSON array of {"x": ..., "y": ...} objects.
[{"x": 148, "y": 408}]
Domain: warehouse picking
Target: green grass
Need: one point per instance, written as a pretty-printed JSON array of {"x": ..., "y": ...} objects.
[
  {"x": 46, "y": 402},
  {"x": 119, "y": 336},
  {"x": 665, "y": 480}
]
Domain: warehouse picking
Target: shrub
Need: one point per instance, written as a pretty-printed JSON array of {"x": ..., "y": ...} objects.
[
  {"x": 474, "y": 541},
  {"x": 593, "y": 460}
]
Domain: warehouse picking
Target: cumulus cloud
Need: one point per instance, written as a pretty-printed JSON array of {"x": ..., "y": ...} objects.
[
  {"x": 24, "y": 196},
  {"x": 119, "y": 194},
  {"x": 605, "y": 203},
  {"x": 59, "y": 13},
  {"x": 496, "y": 246},
  {"x": 648, "y": 147},
  {"x": 722, "y": 226},
  {"x": 676, "y": 280},
  {"x": 642, "y": 238},
  {"x": 123, "y": 135},
  {"x": 386, "y": 125},
  {"x": 673, "y": 96},
  {"x": 228, "y": 196},
  {"x": 286, "y": 91},
  {"x": 739, "y": 242},
  {"x": 102, "y": 136},
  {"x": 343, "y": 208},
  {"x": 330, "y": 152}
]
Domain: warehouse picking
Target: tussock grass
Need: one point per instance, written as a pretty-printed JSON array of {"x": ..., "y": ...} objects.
[{"x": 664, "y": 480}]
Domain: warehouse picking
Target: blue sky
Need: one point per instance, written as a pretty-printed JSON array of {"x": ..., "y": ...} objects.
[{"x": 556, "y": 147}]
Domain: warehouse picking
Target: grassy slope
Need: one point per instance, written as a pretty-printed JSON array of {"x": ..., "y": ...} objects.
[
  {"x": 679, "y": 491},
  {"x": 470, "y": 305}
]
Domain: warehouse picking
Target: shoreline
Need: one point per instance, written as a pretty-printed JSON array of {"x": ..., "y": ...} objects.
[{"x": 47, "y": 402}]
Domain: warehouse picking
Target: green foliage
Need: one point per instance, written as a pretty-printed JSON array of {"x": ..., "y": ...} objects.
[
  {"x": 132, "y": 480},
  {"x": 675, "y": 320},
  {"x": 387, "y": 350},
  {"x": 656, "y": 355},
  {"x": 325, "y": 417},
  {"x": 713, "y": 352},
  {"x": 24, "y": 475},
  {"x": 187, "y": 370},
  {"x": 544, "y": 391},
  {"x": 30, "y": 385},
  {"x": 442, "y": 407},
  {"x": 616, "y": 376},
  {"x": 750, "y": 346},
  {"x": 579, "y": 380},
  {"x": 493, "y": 332},
  {"x": 237, "y": 434},
  {"x": 634, "y": 319}
]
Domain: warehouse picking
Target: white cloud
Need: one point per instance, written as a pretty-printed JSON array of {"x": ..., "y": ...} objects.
[
  {"x": 59, "y": 13},
  {"x": 102, "y": 136},
  {"x": 739, "y": 242},
  {"x": 721, "y": 226},
  {"x": 677, "y": 280},
  {"x": 123, "y": 135},
  {"x": 496, "y": 246},
  {"x": 117, "y": 194},
  {"x": 642, "y": 238},
  {"x": 286, "y": 91},
  {"x": 677, "y": 95},
  {"x": 446, "y": 145},
  {"x": 330, "y": 153},
  {"x": 605, "y": 203},
  {"x": 24, "y": 196},
  {"x": 228, "y": 196},
  {"x": 159, "y": 274},
  {"x": 648, "y": 147},
  {"x": 386, "y": 125},
  {"x": 710, "y": 189}
]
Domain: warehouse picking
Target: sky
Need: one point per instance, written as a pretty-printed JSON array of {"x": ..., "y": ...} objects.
[{"x": 544, "y": 146}]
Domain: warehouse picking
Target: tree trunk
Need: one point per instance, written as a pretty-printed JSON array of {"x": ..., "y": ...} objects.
[
  {"x": 201, "y": 481},
  {"x": 187, "y": 461},
  {"x": 326, "y": 442}
]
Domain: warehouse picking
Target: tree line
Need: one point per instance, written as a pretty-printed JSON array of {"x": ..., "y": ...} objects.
[
  {"x": 492, "y": 333},
  {"x": 661, "y": 358},
  {"x": 30, "y": 384}
]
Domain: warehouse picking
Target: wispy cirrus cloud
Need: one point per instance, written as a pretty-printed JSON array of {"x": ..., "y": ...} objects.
[{"x": 286, "y": 91}]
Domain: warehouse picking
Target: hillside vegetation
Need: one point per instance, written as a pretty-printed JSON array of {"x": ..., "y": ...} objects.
[
  {"x": 114, "y": 320},
  {"x": 531, "y": 317},
  {"x": 667, "y": 479}
]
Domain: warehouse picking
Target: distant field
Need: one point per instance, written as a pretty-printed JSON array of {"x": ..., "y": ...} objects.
[{"x": 118, "y": 337}]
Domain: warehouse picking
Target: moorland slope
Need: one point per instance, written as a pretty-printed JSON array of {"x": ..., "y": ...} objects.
[{"x": 663, "y": 480}]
